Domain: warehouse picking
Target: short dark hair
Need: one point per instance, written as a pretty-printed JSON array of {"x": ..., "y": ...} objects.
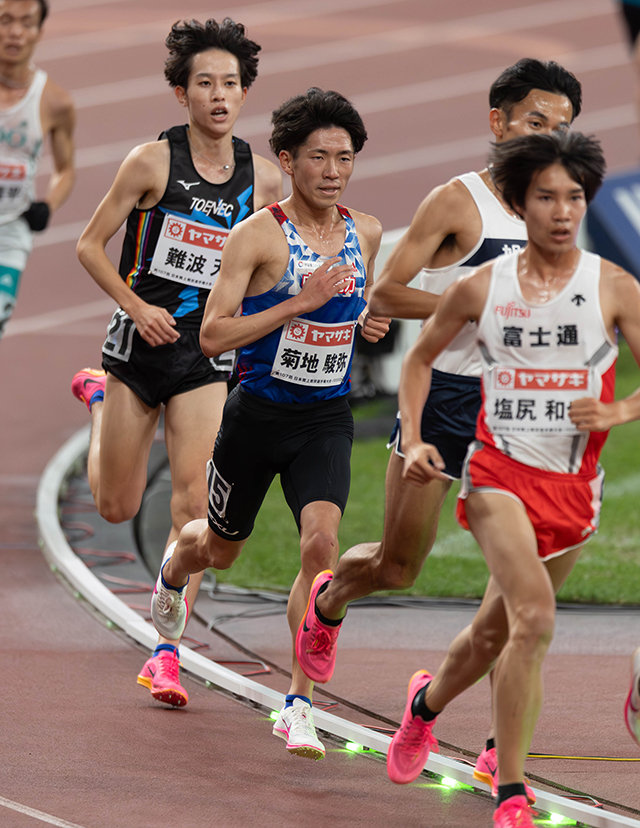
[
  {"x": 301, "y": 115},
  {"x": 44, "y": 11},
  {"x": 514, "y": 163},
  {"x": 515, "y": 83},
  {"x": 189, "y": 38}
]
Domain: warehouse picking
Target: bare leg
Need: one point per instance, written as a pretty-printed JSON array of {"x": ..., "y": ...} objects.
[
  {"x": 319, "y": 523},
  {"x": 122, "y": 431},
  {"x": 527, "y": 588},
  {"x": 411, "y": 522}
]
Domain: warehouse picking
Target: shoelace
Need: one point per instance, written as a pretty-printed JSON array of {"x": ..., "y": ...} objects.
[
  {"x": 169, "y": 667},
  {"x": 415, "y": 735},
  {"x": 166, "y": 600},
  {"x": 322, "y": 643},
  {"x": 300, "y": 719}
]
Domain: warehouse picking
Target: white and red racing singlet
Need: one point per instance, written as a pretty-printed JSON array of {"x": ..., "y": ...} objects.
[{"x": 537, "y": 359}]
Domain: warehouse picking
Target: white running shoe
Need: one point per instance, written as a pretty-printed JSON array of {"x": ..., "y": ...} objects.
[
  {"x": 295, "y": 725},
  {"x": 169, "y": 608},
  {"x": 632, "y": 705}
]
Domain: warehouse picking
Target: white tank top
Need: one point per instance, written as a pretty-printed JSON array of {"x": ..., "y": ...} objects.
[
  {"x": 20, "y": 149},
  {"x": 536, "y": 359},
  {"x": 501, "y": 233}
]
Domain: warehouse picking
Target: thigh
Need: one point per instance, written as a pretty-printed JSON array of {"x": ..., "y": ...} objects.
[
  {"x": 319, "y": 467},
  {"x": 503, "y": 530},
  {"x": 240, "y": 471},
  {"x": 127, "y": 430},
  {"x": 191, "y": 425}
]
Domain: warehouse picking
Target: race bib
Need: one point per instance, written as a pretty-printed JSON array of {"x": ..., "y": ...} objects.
[
  {"x": 534, "y": 401},
  {"x": 188, "y": 252},
  {"x": 13, "y": 183},
  {"x": 314, "y": 353}
]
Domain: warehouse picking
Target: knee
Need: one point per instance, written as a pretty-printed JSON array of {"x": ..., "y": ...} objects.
[
  {"x": 206, "y": 549},
  {"x": 488, "y": 641},
  {"x": 117, "y": 511},
  {"x": 533, "y": 626},
  {"x": 318, "y": 550}
]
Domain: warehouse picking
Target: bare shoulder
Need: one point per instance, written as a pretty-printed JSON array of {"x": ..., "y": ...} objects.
[
  {"x": 57, "y": 105},
  {"x": 448, "y": 205},
  {"x": 618, "y": 285},
  {"x": 268, "y": 181},
  {"x": 256, "y": 230},
  {"x": 145, "y": 170},
  {"x": 368, "y": 227}
]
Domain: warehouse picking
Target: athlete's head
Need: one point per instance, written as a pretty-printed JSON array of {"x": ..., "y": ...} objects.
[
  {"x": 188, "y": 38},
  {"x": 301, "y": 115},
  {"x": 517, "y": 81},
  {"x": 31, "y": 13},
  {"x": 514, "y": 163}
]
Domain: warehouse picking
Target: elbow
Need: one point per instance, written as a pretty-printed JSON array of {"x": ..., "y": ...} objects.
[
  {"x": 208, "y": 344},
  {"x": 82, "y": 251},
  {"x": 378, "y": 304}
]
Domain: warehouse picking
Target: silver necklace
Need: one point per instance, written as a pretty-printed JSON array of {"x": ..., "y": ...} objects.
[
  {"x": 221, "y": 167},
  {"x": 13, "y": 84}
]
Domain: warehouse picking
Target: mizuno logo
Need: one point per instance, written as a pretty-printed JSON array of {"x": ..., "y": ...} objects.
[{"x": 187, "y": 184}]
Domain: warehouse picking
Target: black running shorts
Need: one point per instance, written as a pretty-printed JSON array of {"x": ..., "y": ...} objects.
[{"x": 309, "y": 446}]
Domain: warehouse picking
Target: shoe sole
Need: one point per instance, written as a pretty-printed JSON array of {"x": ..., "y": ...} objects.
[
  {"x": 173, "y": 697},
  {"x": 305, "y": 751}
]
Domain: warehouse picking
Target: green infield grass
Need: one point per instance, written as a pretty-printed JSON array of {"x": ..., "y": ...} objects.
[{"x": 608, "y": 571}]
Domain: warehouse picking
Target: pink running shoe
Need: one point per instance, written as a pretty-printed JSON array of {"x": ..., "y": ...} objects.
[
  {"x": 513, "y": 813},
  {"x": 486, "y": 770},
  {"x": 161, "y": 675},
  {"x": 316, "y": 642},
  {"x": 85, "y": 384},
  {"x": 412, "y": 743}
]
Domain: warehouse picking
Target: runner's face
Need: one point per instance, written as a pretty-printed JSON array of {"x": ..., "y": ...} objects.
[
  {"x": 322, "y": 166},
  {"x": 19, "y": 30},
  {"x": 538, "y": 114},
  {"x": 554, "y": 206},
  {"x": 214, "y": 94}
]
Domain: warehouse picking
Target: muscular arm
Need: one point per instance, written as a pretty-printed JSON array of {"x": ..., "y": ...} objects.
[
  {"x": 444, "y": 228},
  {"x": 462, "y": 302},
  {"x": 369, "y": 230},
  {"x": 59, "y": 122},
  {"x": 143, "y": 173},
  {"x": 256, "y": 253},
  {"x": 620, "y": 301}
]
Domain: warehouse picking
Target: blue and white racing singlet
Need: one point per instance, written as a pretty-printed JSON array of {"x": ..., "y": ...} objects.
[{"x": 309, "y": 358}]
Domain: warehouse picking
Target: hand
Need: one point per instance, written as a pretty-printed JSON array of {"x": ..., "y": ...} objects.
[
  {"x": 589, "y": 414},
  {"x": 37, "y": 215},
  {"x": 375, "y": 327},
  {"x": 155, "y": 325},
  {"x": 422, "y": 463},
  {"x": 324, "y": 283}
]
